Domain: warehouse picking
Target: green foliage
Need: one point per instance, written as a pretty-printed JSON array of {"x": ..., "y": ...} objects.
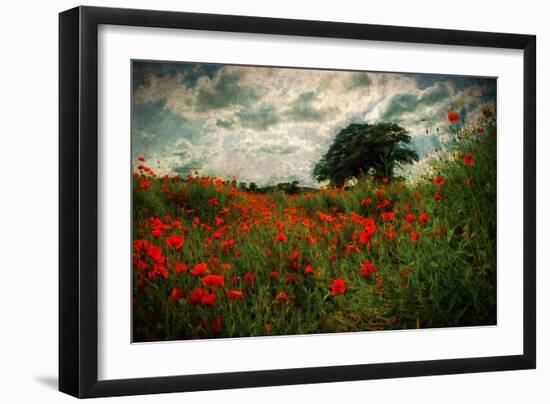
[{"x": 365, "y": 148}]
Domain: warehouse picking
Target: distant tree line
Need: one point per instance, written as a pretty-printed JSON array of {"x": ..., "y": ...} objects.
[{"x": 290, "y": 188}]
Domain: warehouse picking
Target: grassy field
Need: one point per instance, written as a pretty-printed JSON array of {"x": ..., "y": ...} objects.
[{"x": 211, "y": 261}]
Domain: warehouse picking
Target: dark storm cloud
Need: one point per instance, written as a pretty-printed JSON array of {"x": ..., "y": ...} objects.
[
  {"x": 226, "y": 92},
  {"x": 225, "y": 123},
  {"x": 459, "y": 82},
  {"x": 154, "y": 127},
  {"x": 258, "y": 118},
  {"x": 302, "y": 109},
  {"x": 405, "y": 103},
  {"x": 278, "y": 149},
  {"x": 400, "y": 104},
  {"x": 190, "y": 73},
  {"x": 359, "y": 80}
]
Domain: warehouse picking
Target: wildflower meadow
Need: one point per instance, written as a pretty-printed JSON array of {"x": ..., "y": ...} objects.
[{"x": 213, "y": 259}]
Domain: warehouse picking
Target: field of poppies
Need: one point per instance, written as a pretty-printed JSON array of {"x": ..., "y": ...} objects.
[{"x": 213, "y": 261}]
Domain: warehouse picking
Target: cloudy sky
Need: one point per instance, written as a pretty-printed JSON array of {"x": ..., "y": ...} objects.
[{"x": 269, "y": 125}]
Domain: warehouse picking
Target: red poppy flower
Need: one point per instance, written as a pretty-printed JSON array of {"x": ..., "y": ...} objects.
[
  {"x": 480, "y": 130},
  {"x": 367, "y": 233},
  {"x": 387, "y": 216},
  {"x": 410, "y": 218},
  {"x": 282, "y": 298},
  {"x": 141, "y": 245},
  {"x": 308, "y": 270},
  {"x": 217, "y": 325},
  {"x": 200, "y": 269},
  {"x": 414, "y": 236},
  {"x": 145, "y": 185},
  {"x": 213, "y": 281},
  {"x": 469, "y": 160},
  {"x": 214, "y": 202},
  {"x": 383, "y": 205},
  {"x": 280, "y": 237},
  {"x": 155, "y": 253},
  {"x": 453, "y": 117},
  {"x": 180, "y": 268},
  {"x": 368, "y": 269},
  {"x": 338, "y": 287},
  {"x": 158, "y": 270},
  {"x": 209, "y": 299},
  {"x": 439, "y": 181},
  {"x": 228, "y": 244},
  {"x": 175, "y": 241},
  {"x": 196, "y": 296},
  {"x": 234, "y": 295},
  {"x": 274, "y": 274},
  {"x": 424, "y": 218},
  {"x": 438, "y": 197},
  {"x": 156, "y": 233},
  {"x": 141, "y": 158},
  {"x": 366, "y": 202},
  {"x": 177, "y": 294},
  {"x": 249, "y": 277},
  {"x": 245, "y": 228},
  {"x": 140, "y": 265}
]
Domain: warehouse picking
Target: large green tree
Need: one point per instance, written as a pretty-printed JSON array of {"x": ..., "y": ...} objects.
[{"x": 365, "y": 148}]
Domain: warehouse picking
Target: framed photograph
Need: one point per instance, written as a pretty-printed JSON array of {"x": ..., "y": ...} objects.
[{"x": 251, "y": 201}]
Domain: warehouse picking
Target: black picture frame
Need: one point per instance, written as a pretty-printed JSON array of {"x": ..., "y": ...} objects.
[{"x": 78, "y": 201}]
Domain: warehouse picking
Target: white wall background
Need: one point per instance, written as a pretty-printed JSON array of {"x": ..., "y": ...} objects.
[{"x": 28, "y": 200}]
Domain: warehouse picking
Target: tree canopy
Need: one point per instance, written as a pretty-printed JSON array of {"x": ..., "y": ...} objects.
[{"x": 365, "y": 148}]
